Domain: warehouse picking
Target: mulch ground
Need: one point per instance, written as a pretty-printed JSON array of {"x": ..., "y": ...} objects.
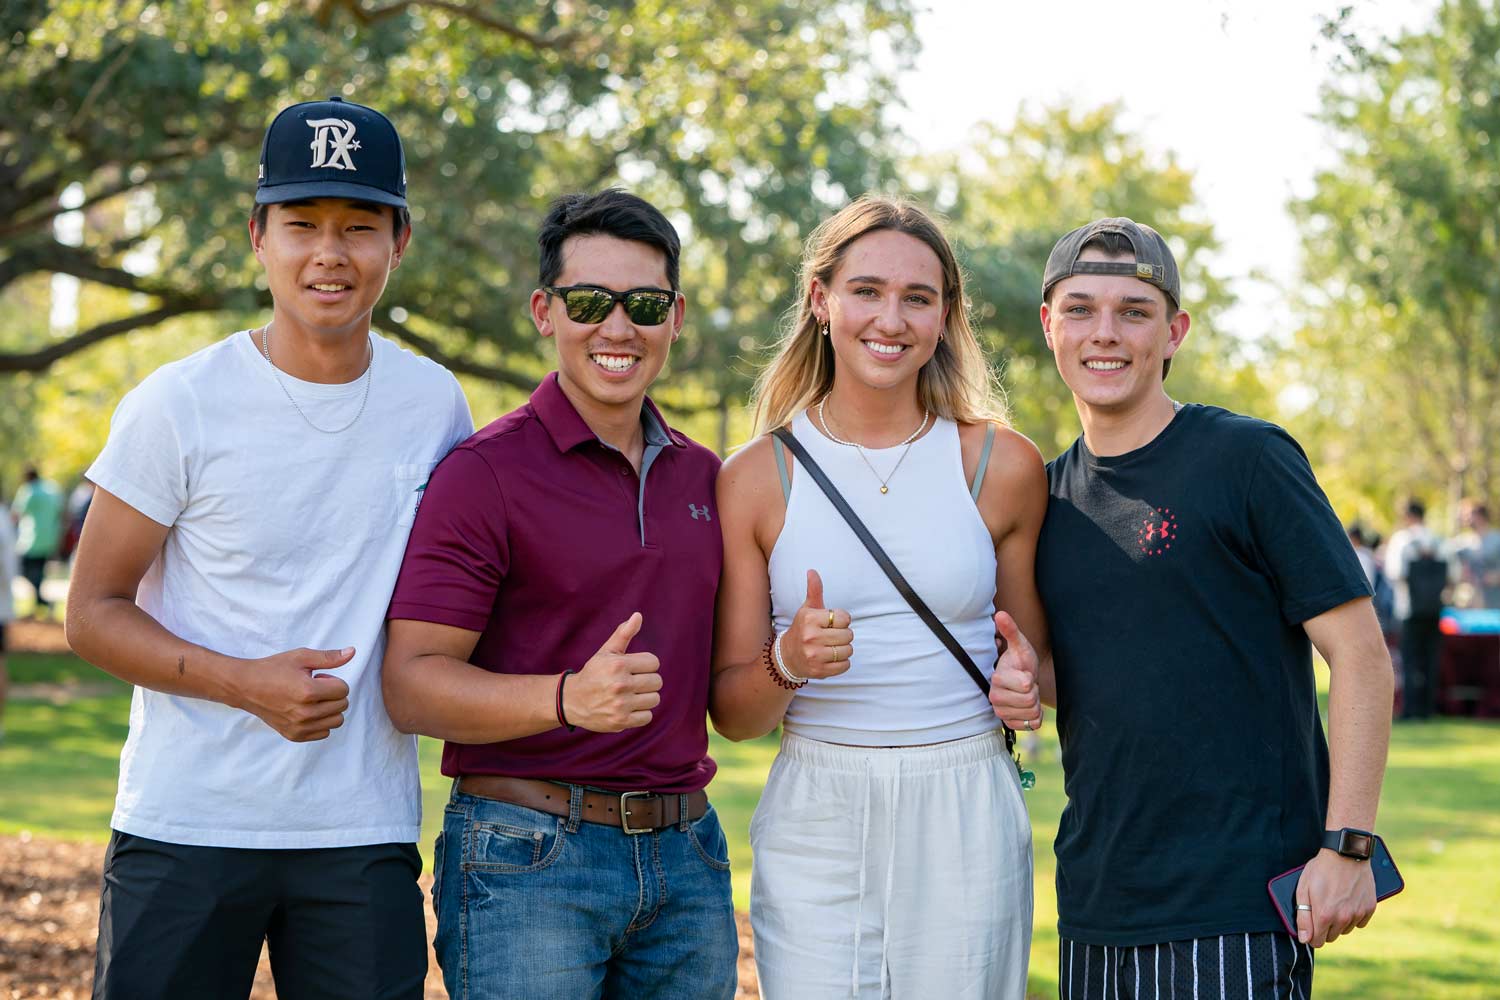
[
  {"x": 49, "y": 917},
  {"x": 24, "y": 635},
  {"x": 49, "y": 895}
]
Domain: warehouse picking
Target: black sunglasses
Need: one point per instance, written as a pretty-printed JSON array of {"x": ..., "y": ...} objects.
[{"x": 591, "y": 304}]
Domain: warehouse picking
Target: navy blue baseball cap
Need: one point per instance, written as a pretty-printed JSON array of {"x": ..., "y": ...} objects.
[{"x": 331, "y": 149}]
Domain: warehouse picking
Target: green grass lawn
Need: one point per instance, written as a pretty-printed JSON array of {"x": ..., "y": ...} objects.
[{"x": 1440, "y": 813}]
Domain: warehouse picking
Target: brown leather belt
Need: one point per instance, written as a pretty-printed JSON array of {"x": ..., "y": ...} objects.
[{"x": 632, "y": 812}]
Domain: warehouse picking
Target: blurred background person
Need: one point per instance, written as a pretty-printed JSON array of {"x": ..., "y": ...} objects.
[
  {"x": 1477, "y": 554},
  {"x": 38, "y": 511},
  {"x": 7, "y": 605},
  {"x": 1363, "y": 552},
  {"x": 1416, "y": 566},
  {"x": 78, "y": 509},
  {"x": 1366, "y": 549}
]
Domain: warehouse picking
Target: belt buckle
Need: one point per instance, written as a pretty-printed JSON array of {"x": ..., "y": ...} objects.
[{"x": 625, "y": 798}]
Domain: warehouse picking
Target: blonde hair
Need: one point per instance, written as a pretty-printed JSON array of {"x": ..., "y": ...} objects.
[{"x": 955, "y": 383}]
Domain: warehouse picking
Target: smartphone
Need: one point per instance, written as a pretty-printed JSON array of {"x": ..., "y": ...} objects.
[{"x": 1283, "y": 888}]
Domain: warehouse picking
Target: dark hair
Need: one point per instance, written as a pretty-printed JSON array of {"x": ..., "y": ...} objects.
[
  {"x": 1416, "y": 508},
  {"x": 31, "y": 474},
  {"x": 1356, "y": 533},
  {"x": 1118, "y": 245},
  {"x": 611, "y": 212},
  {"x": 401, "y": 217}
]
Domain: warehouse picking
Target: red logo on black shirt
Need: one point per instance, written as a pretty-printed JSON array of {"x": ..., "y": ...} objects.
[{"x": 1158, "y": 531}]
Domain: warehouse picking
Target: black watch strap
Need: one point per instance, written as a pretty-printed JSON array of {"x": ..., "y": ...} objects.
[{"x": 1351, "y": 843}]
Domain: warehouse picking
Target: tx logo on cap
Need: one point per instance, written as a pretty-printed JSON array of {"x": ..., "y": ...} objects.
[
  {"x": 340, "y": 133},
  {"x": 341, "y": 130}
]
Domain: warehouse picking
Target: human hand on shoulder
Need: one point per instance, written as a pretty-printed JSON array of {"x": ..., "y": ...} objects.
[
  {"x": 1014, "y": 692},
  {"x": 820, "y": 641},
  {"x": 286, "y": 692},
  {"x": 1340, "y": 894},
  {"x": 615, "y": 689}
]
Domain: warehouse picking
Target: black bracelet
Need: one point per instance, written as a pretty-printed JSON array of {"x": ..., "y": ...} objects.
[{"x": 562, "y": 719}]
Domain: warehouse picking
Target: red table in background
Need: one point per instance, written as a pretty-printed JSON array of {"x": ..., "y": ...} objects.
[{"x": 1469, "y": 665}]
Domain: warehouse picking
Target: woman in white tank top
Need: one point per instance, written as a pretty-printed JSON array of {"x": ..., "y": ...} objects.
[{"x": 892, "y": 850}]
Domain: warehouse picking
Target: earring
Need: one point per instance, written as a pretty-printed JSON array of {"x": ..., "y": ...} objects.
[{"x": 824, "y": 331}]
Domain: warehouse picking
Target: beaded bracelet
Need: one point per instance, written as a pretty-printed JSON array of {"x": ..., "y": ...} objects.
[{"x": 776, "y": 667}]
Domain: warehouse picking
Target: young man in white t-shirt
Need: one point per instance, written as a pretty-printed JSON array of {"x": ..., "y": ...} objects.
[
  {"x": 7, "y": 606},
  {"x": 253, "y": 505}
]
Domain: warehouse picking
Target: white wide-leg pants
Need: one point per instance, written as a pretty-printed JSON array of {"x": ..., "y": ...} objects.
[{"x": 900, "y": 873}]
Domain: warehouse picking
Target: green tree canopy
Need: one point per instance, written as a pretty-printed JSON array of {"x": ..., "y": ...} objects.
[
  {"x": 745, "y": 121},
  {"x": 1015, "y": 191},
  {"x": 748, "y": 123},
  {"x": 1401, "y": 247}
]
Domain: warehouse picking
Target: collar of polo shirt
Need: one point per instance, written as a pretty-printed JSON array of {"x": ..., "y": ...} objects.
[{"x": 568, "y": 430}]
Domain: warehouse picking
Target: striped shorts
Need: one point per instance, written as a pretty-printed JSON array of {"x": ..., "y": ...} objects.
[{"x": 1265, "y": 966}]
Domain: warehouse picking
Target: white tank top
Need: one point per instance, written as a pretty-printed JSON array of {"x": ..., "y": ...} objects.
[{"x": 902, "y": 687}]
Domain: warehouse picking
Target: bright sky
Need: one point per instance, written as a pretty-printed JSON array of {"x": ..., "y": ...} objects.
[{"x": 1229, "y": 85}]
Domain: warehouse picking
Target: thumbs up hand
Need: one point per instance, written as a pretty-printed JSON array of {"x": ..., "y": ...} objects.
[
  {"x": 616, "y": 689},
  {"x": 287, "y": 692},
  {"x": 819, "y": 642},
  {"x": 1014, "y": 692}
]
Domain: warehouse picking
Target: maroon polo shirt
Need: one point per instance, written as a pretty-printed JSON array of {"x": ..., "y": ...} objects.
[{"x": 541, "y": 538}]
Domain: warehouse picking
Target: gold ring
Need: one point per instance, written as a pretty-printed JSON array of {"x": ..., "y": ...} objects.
[{"x": 830, "y": 618}]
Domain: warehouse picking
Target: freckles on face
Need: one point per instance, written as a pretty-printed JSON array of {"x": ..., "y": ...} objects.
[{"x": 884, "y": 303}]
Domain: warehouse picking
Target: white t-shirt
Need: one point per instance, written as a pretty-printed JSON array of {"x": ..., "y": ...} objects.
[
  {"x": 281, "y": 537},
  {"x": 7, "y": 568}
]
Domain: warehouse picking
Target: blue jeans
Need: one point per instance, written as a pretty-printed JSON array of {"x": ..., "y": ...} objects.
[{"x": 540, "y": 906}]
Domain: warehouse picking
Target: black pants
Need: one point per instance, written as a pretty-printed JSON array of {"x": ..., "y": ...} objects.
[
  {"x": 180, "y": 921},
  {"x": 34, "y": 568},
  {"x": 1265, "y": 966},
  {"x": 1420, "y": 640}
]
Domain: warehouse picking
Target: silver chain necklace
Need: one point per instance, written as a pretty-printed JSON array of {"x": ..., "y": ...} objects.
[
  {"x": 905, "y": 446},
  {"x": 369, "y": 376}
]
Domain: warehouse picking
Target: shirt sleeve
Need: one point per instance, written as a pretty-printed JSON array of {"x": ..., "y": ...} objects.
[
  {"x": 462, "y": 426},
  {"x": 146, "y": 461},
  {"x": 1298, "y": 535},
  {"x": 458, "y": 552}
]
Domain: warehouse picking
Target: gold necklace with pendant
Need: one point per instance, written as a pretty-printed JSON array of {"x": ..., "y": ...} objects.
[{"x": 904, "y": 445}]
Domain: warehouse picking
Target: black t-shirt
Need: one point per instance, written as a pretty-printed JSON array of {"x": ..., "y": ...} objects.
[{"x": 1176, "y": 578}]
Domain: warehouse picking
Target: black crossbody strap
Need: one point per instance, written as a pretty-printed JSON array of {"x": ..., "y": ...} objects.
[{"x": 786, "y": 437}]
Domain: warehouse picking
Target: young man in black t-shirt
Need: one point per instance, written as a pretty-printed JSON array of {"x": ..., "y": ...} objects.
[{"x": 1188, "y": 563}]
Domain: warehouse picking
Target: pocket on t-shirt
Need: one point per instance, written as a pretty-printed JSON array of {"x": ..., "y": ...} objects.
[{"x": 411, "y": 481}]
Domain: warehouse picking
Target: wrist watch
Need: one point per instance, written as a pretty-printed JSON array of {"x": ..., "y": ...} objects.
[{"x": 1351, "y": 843}]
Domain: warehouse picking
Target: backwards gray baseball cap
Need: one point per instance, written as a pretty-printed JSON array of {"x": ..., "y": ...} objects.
[
  {"x": 331, "y": 149},
  {"x": 1153, "y": 263}
]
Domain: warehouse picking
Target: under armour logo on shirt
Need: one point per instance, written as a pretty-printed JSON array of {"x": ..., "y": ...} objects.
[
  {"x": 1157, "y": 531},
  {"x": 698, "y": 512},
  {"x": 339, "y": 132}
]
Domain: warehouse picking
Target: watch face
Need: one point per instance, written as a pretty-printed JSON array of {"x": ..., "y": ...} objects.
[{"x": 1356, "y": 844}]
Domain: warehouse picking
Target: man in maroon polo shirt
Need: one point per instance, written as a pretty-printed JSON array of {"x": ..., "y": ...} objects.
[{"x": 553, "y": 623}]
